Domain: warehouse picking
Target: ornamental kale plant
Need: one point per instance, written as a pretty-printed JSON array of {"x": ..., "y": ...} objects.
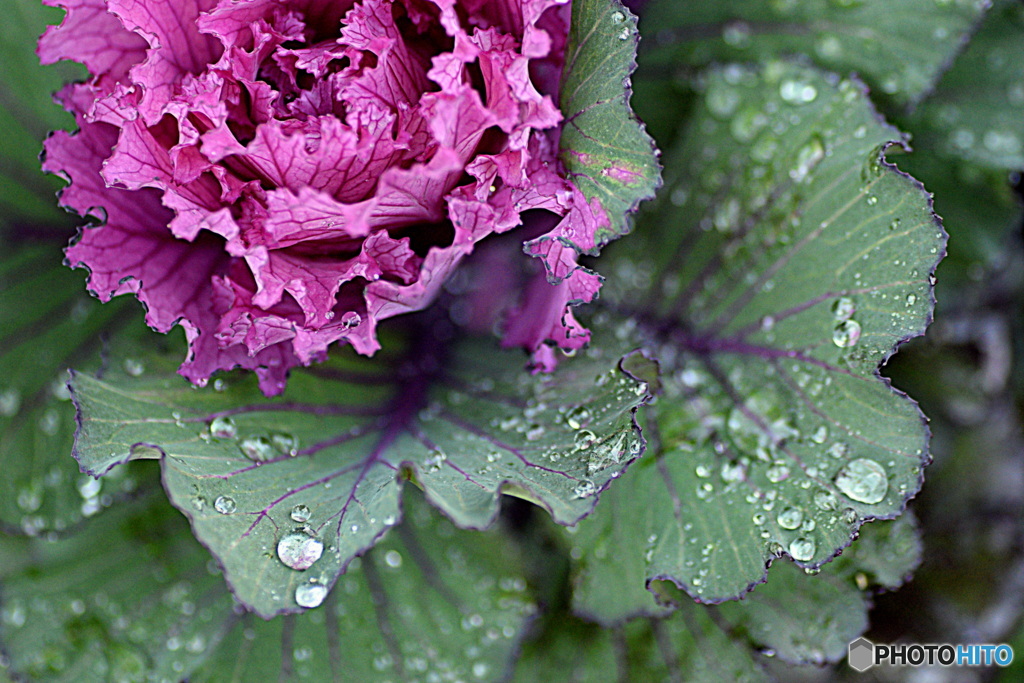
[
  {"x": 431, "y": 424},
  {"x": 276, "y": 177}
]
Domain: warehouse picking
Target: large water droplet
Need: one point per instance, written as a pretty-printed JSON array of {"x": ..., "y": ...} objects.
[
  {"x": 258, "y": 448},
  {"x": 300, "y": 513},
  {"x": 846, "y": 334},
  {"x": 299, "y": 551},
  {"x": 790, "y": 518},
  {"x": 223, "y": 428},
  {"x": 777, "y": 473},
  {"x": 802, "y": 549},
  {"x": 225, "y": 505},
  {"x": 310, "y": 595},
  {"x": 584, "y": 489},
  {"x": 863, "y": 480}
]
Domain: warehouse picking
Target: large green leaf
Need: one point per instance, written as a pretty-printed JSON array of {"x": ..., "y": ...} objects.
[
  {"x": 977, "y": 111},
  {"x": 603, "y": 146},
  {"x": 314, "y": 478},
  {"x": 898, "y": 48},
  {"x": 784, "y": 263},
  {"x": 47, "y": 323},
  {"x": 133, "y": 597}
]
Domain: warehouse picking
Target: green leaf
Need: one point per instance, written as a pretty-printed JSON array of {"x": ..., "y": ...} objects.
[
  {"x": 898, "y": 48},
  {"x": 28, "y": 113},
  {"x": 133, "y": 598},
  {"x": 328, "y": 459},
  {"x": 783, "y": 264},
  {"x": 603, "y": 146},
  {"x": 126, "y": 598},
  {"x": 47, "y": 323},
  {"x": 691, "y": 645},
  {"x": 430, "y": 599},
  {"x": 802, "y": 619},
  {"x": 977, "y": 111},
  {"x": 884, "y": 555}
]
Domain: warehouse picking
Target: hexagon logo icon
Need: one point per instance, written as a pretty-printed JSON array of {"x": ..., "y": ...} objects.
[{"x": 861, "y": 654}]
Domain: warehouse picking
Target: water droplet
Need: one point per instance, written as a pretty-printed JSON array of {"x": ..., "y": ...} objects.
[
  {"x": 843, "y": 309},
  {"x": 223, "y": 428},
  {"x": 790, "y": 518},
  {"x": 846, "y": 334},
  {"x": 807, "y": 158},
  {"x": 733, "y": 472},
  {"x": 301, "y": 513},
  {"x": 434, "y": 460},
  {"x": 745, "y": 126},
  {"x": 863, "y": 480},
  {"x": 911, "y": 299},
  {"x": 351, "y": 319},
  {"x": 797, "y": 92},
  {"x": 584, "y": 489},
  {"x": 10, "y": 403},
  {"x": 578, "y": 417},
  {"x": 30, "y": 498},
  {"x": 286, "y": 444},
  {"x": 299, "y": 551},
  {"x": 258, "y": 448},
  {"x": 737, "y": 34},
  {"x": 722, "y": 100},
  {"x": 1002, "y": 142},
  {"x": 480, "y": 669},
  {"x": 225, "y": 505},
  {"x": 618, "y": 17},
  {"x": 825, "y": 500},
  {"x": 839, "y": 450},
  {"x": 534, "y": 432},
  {"x": 726, "y": 218},
  {"x": 872, "y": 200},
  {"x": 820, "y": 434},
  {"x": 777, "y": 473},
  {"x": 829, "y": 47},
  {"x": 393, "y": 559},
  {"x": 134, "y": 367},
  {"x": 310, "y": 595},
  {"x": 802, "y": 549},
  {"x": 584, "y": 439}
]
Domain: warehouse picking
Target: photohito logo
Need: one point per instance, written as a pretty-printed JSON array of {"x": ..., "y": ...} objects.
[{"x": 863, "y": 654}]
